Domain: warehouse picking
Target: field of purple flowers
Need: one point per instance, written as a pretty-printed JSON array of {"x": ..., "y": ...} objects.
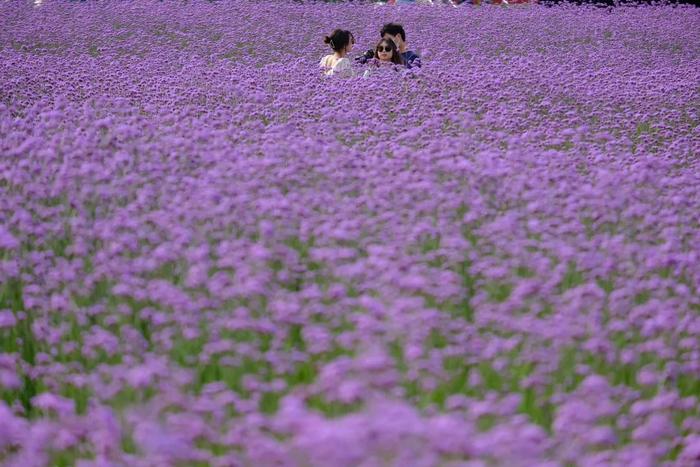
[{"x": 210, "y": 254}]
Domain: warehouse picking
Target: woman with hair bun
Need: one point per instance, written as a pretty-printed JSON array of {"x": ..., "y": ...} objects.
[{"x": 337, "y": 63}]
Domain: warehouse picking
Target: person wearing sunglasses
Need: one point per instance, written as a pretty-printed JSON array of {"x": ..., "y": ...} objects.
[
  {"x": 341, "y": 42},
  {"x": 397, "y": 34},
  {"x": 385, "y": 53}
]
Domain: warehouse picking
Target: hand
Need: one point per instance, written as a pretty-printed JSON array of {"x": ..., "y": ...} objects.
[{"x": 365, "y": 57}]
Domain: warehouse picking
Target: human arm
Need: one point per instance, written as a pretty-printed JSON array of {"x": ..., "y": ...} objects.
[
  {"x": 365, "y": 57},
  {"x": 323, "y": 64}
]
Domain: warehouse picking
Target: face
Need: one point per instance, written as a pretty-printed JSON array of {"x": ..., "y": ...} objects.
[
  {"x": 384, "y": 52},
  {"x": 397, "y": 40},
  {"x": 348, "y": 48}
]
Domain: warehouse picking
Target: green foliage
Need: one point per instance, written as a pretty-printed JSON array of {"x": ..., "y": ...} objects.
[
  {"x": 572, "y": 278},
  {"x": 332, "y": 409},
  {"x": 498, "y": 291}
]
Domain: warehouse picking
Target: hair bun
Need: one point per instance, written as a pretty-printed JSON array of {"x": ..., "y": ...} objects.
[{"x": 327, "y": 39}]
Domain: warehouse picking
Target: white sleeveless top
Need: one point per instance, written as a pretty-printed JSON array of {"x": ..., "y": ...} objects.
[{"x": 333, "y": 66}]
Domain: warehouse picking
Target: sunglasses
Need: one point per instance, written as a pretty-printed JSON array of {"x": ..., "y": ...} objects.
[{"x": 384, "y": 49}]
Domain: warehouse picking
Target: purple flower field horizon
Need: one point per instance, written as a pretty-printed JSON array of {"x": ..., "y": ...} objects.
[{"x": 212, "y": 254}]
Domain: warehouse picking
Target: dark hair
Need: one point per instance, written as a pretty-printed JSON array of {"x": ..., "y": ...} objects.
[
  {"x": 394, "y": 30},
  {"x": 339, "y": 39},
  {"x": 396, "y": 57}
]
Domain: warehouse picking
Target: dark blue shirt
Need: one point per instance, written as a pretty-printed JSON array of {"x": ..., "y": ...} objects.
[{"x": 411, "y": 59}]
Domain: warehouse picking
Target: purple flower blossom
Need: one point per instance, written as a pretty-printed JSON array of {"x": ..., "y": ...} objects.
[{"x": 210, "y": 254}]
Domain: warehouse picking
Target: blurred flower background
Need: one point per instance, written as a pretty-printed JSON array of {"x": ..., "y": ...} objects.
[{"x": 210, "y": 254}]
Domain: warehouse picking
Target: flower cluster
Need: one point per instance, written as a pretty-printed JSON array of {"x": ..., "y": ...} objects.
[{"x": 212, "y": 254}]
